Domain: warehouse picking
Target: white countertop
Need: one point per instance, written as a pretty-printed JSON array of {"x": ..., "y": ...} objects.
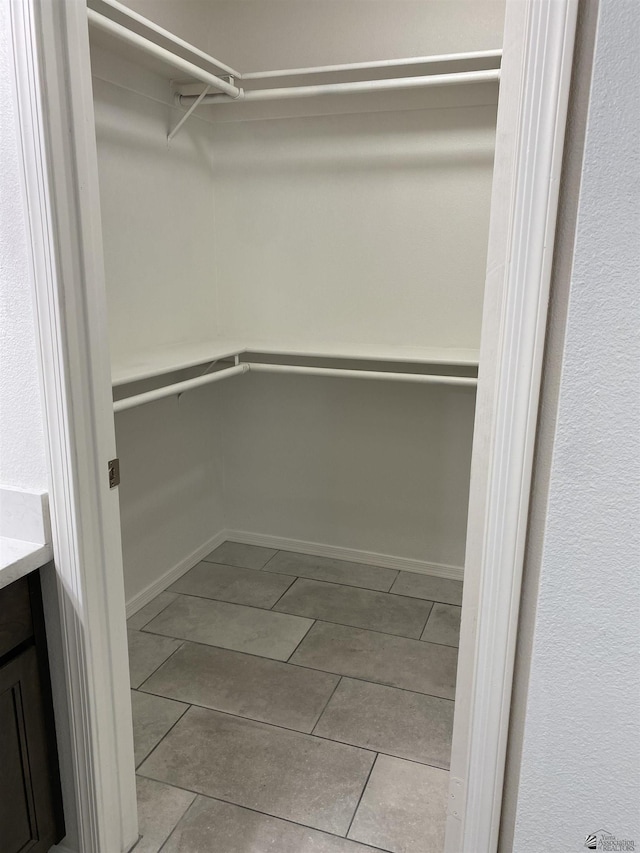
[
  {"x": 18, "y": 558},
  {"x": 25, "y": 533}
]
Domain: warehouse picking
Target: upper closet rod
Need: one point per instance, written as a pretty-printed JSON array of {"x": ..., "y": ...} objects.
[
  {"x": 162, "y": 53},
  {"x": 177, "y": 388},
  {"x": 381, "y": 63},
  {"x": 145, "y": 22},
  {"x": 453, "y": 79}
]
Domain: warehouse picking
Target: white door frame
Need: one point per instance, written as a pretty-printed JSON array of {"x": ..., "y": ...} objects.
[
  {"x": 534, "y": 94},
  {"x": 57, "y": 135},
  {"x": 55, "y": 107}
]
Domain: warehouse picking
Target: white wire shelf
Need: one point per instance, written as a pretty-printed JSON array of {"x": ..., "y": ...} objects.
[
  {"x": 433, "y": 366},
  {"x": 169, "y": 54},
  {"x": 178, "y": 357},
  {"x": 483, "y": 59},
  {"x": 116, "y": 21},
  {"x": 117, "y": 13},
  {"x": 171, "y": 359},
  {"x": 441, "y": 356}
]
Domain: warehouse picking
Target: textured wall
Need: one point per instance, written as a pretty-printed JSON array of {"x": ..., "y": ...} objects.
[
  {"x": 580, "y": 761},
  {"x": 22, "y": 455}
]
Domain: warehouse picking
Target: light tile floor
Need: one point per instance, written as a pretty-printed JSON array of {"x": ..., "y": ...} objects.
[{"x": 286, "y": 703}]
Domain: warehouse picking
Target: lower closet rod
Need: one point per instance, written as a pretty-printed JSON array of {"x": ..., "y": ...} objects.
[
  {"x": 245, "y": 367},
  {"x": 455, "y": 78},
  {"x": 427, "y": 378}
]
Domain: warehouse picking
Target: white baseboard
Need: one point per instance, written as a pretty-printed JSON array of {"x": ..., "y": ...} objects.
[
  {"x": 160, "y": 584},
  {"x": 387, "y": 561},
  {"x": 281, "y": 543}
]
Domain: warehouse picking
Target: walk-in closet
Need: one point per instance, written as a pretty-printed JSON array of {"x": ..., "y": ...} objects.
[{"x": 295, "y": 200}]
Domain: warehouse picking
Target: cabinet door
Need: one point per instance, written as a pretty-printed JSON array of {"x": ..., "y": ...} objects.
[
  {"x": 16, "y": 621},
  {"x": 26, "y": 810}
]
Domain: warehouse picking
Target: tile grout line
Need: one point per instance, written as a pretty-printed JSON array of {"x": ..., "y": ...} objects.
[
  {"x": 223, "y": 601},
  {"x": 291, "y": 585},
  {"x": 177, "y": 639},
  {"x": 280, "y": 727},
  {"x": 303, "y": 666},
  {"x": 250, "y": 569},
  {"x": 182, "y": 816},
  {"x": 354, "y": 586},
  {"x": 170, "y": 729},
  {"x": 230, "y": 565},
  {"x": 379, "y": 683},
  {"x": 342, "y": 583},
  {"x": 256, "y": 811},
  {"x": 357, "y": 627},
  {"x": 301, "y": 641},
  {"x": 436, "y": 643},
  {"x": 326, "y": 705},
  {"x": 394, "y": 580},
  {"x": 320, "y": 557},
  {"x": 155, "y": 614},
  {"x": 409, "y": 599},
  {"x": 146, "y": 630},
  {"x": 426, "y": 621},
  {"x": 272, "y": 557},
  {"x": 364, "y": 788},
  {"x": 142, "y": 760}
]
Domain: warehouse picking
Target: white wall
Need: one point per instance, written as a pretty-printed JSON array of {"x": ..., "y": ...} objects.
[
  {"x": 335, "y": 227},
  {"x": 376, "y": 467},
  {"x": 349, "y": 228},
  {"x": 22, "y": 451},
  {"x": 157, "y": 213},
  {"x": 256, "y": 35},
  {"x": 579, "y": 767},
  {"x": 171, "y": 494}
]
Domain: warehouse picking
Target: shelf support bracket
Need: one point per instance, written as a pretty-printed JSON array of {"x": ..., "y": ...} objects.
[{"x": 188, "y": 113}]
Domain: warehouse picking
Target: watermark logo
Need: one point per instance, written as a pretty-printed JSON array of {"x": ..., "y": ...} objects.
[{"x": 605, "y": 840}]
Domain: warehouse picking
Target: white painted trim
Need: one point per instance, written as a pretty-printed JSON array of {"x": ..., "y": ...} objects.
[
  {"x": 57, "y": 139},
  {"x": 353, "y": 555},
  {"x": 537, "y": 60},
  {"x": 280, "y": 543},
  {"x": 171, "y": 575}
]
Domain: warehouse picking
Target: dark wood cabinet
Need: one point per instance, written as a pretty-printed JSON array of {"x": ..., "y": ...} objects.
[{"x": 30, "y": 801}]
